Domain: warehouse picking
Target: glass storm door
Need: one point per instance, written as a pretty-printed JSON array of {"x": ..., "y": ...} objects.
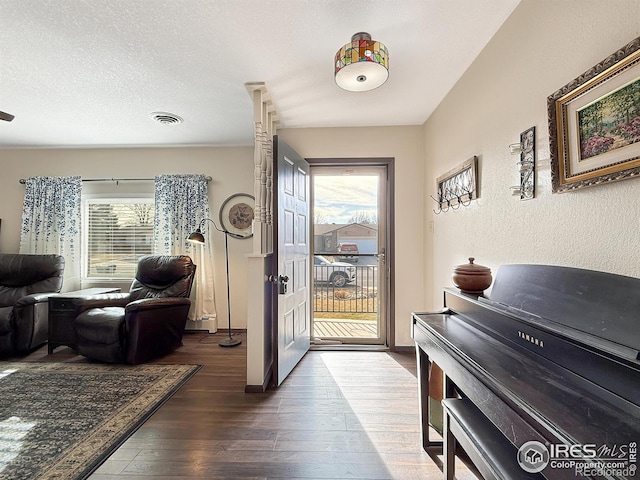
[{"x": 350, "y": 277}]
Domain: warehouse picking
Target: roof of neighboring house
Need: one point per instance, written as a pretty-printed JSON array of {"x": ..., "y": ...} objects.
[{"x": 323, "y": 228}]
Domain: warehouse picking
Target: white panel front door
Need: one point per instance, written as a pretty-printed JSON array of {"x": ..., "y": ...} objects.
[{"x": 293, "y": 259}]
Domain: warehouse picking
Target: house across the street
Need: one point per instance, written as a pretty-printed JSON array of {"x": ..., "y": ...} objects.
[{"x": 327, "y": 237}]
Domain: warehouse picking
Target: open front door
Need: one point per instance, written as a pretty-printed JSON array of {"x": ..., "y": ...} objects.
[{"x": 291, "y": 259}]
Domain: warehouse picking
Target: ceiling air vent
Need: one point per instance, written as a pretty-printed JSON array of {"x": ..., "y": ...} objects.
[{"x": 166, "y": 118}]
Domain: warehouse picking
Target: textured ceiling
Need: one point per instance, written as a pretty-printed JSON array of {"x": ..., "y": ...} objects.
[{"x": 90, "y": 72}]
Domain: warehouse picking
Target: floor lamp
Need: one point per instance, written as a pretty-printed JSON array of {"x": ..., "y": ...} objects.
[{"x": 197, "y": 237}]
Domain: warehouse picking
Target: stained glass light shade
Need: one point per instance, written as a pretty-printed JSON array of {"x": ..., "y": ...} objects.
[{"x": 362, "y": 64}]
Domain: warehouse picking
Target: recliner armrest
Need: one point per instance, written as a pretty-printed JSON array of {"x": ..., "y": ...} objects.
[
  {"x": 29, "y": 321},
  {"x": 154, "y": 303},
  {"x": 100, "y": 301},
  {"x": 27, "y": 305},
  {"x": 154, "y": 327},
  {"x": 33, "y": 299}
]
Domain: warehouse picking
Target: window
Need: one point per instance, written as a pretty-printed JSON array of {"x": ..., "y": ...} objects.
[{"x": 116, "y": 232}]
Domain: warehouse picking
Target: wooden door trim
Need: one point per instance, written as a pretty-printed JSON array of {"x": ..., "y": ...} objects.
[{"x": 274, "y": 268}]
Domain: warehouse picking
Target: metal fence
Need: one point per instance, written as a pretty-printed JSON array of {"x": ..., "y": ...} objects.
[{"x": 358, "y": 295}]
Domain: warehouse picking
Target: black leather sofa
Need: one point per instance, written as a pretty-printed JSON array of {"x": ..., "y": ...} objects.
[
  {"x": 26, "y": 281},
  {"x": 145, "y": 323}
]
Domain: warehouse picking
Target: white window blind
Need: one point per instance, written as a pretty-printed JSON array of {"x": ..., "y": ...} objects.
[{"x": 117, "y": 231}]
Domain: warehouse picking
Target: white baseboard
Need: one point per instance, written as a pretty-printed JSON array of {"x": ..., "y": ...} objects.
[{"x": 208, "y": 325}]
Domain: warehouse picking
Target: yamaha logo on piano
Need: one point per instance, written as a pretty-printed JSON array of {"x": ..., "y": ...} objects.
[{"x": 531, "y": 339}]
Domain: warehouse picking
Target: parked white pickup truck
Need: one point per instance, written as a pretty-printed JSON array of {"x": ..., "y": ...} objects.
[{"x": 336, "y": 273}]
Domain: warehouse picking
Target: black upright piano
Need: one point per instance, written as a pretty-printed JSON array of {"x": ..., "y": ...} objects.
[{"x": 550, "y": 358}]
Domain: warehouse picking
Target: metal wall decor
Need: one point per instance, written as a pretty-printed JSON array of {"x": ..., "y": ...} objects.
[
  {"x": 526, "y": 165},
  {"x": 457, "y": 187},
  {"x": 236, "y": 215}
]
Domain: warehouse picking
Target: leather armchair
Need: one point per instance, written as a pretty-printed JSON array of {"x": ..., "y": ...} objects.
[
  {"x": 146, "y": 322},
  {"x": 26, "y": 281}
]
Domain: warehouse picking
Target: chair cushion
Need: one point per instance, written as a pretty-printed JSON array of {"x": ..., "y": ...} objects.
[
  {"x": 162, "y": 276},
  {"x": 100, "y": 325}
]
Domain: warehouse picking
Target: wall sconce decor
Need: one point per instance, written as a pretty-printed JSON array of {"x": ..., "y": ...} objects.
[
  {"x": 457, "y": 187},
  {"x": 527, "y": 164}
]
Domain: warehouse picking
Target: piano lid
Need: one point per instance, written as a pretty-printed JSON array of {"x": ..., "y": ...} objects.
[{"x": 599, "y": 304}]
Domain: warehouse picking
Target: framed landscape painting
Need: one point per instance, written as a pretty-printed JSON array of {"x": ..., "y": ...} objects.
[{"x": 594, "y": 123}]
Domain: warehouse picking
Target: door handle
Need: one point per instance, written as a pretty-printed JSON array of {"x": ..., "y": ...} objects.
[
  {"x": 282, "y": 284},
  {"x": 281, "y": 280}
]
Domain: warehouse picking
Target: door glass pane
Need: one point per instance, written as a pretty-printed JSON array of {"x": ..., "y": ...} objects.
[{"x": 346, "y": 274}]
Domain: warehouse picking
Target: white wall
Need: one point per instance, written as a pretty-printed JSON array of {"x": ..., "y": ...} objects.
[
  {"x": 541, "y": 47},
  {"x": 230, "y": 168},
  {"x": 405, "y": 145}
]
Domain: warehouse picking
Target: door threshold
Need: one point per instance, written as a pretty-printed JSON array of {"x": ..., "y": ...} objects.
[{"x": 338, "y": 346}]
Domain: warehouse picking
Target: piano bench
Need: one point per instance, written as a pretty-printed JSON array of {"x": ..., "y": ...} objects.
[{"x": 493, "y": 455}]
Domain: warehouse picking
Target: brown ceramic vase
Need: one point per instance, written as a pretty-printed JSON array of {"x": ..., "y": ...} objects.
[{"x": 472, "y": 278}]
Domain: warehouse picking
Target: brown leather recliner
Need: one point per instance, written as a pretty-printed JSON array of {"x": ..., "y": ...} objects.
[
  {"x": 145, "y": 323},
  {"x": 26, "y": 281}
]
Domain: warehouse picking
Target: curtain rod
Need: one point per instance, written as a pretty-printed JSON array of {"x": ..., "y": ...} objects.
[{"x": 208, "y": 178}]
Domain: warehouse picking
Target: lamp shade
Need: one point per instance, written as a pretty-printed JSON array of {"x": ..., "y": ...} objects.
[
  {"x": 196, "y": 237},
  {"x": 362, "y": 64}
]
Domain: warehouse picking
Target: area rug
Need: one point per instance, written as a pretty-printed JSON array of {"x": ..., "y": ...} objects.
[{"x": 62, "y": 420}]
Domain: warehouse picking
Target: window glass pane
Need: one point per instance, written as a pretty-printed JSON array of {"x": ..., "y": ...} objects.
[{"x": 118, "y": 232}]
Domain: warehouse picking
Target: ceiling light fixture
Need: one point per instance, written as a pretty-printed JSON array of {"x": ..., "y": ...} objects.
[{"x": 362, "y": 64}]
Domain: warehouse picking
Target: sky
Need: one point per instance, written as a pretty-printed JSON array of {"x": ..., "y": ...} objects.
[{"x": 337, "y": 198}]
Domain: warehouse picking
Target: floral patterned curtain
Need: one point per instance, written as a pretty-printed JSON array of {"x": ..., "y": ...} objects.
[
  {"x": 182, "y": 202},
  {"x": 51, "y": 222}
]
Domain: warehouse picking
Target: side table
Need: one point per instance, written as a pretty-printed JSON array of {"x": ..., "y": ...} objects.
[{"x": 62, "y": 311}]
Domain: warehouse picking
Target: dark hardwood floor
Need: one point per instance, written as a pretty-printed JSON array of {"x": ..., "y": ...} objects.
[{"x": 339, "y": 415}]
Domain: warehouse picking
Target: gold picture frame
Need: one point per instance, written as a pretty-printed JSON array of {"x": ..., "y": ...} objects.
[{"x": 594, "y": 124}]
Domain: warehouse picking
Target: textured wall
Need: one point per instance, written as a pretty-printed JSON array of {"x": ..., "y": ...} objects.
[{"x": 540, "y": 48}]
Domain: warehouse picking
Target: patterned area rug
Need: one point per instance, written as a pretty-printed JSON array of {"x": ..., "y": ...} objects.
[{"x": 62, "y": 420}]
